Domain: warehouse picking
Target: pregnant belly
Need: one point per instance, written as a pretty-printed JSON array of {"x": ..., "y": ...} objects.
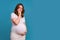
[{"x": 21, "y": 28}]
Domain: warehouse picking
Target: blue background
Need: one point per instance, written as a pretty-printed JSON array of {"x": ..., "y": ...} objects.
[{"x": 42, "y": 19}]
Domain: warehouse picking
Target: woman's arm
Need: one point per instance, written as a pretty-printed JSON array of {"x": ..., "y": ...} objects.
[{"x": 16, "y": 20}]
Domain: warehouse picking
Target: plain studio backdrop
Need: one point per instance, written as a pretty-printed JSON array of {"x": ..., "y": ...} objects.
[{"x": 42, "y": 19}]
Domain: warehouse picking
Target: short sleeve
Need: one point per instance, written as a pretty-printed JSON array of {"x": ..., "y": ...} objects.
[{"x": 13, "y": 15}]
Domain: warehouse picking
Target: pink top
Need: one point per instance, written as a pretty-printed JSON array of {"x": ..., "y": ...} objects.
[{"x": 21, "y": 27}]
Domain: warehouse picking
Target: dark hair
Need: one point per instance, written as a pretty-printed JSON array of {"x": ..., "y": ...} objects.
[{"x": 15, "y": 11}]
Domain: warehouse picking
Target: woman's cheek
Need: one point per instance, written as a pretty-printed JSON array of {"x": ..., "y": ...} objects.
[{"x": 21, "y": 10}]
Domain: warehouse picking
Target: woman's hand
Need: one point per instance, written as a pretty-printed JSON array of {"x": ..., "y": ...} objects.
[{"x": 22, "y": 34}]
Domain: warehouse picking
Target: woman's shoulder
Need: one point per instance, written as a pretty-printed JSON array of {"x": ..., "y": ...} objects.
[
  {"x": 24, "y": 17},
  {"x": 13, "y": 15}
]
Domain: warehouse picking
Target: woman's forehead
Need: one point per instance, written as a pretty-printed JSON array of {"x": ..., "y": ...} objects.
[{"x": 20, "y": 6}]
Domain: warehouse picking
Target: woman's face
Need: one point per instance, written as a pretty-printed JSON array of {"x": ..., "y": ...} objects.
[{"x": 20, "y": 8}]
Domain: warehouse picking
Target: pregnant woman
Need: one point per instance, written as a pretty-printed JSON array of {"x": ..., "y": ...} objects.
[{"x": 18, "y": 30}]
